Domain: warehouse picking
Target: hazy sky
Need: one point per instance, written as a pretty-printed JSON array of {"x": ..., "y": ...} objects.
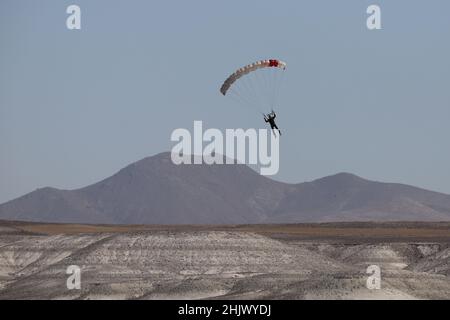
[{"x": 77, "y": 106}]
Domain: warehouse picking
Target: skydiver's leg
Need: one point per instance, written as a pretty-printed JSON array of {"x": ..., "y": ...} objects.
[
  {"x": 273, "y": 131},
  {"x": 276, "y": 127}
]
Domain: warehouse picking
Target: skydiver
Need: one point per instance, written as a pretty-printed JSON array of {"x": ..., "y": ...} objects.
[{"x": 270, "y": 118}]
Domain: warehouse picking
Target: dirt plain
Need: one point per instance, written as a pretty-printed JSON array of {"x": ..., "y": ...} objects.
[{"x": 296, "y": 261}]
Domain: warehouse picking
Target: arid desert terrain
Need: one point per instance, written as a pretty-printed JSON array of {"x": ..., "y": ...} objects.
[{"x": 296, "y": 261}]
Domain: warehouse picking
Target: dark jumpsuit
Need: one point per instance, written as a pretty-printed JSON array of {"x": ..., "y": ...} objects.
[{"x": 271, "y": 120}]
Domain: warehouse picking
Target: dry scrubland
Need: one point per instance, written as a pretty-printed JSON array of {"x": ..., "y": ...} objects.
[{"x": 304, "y": 261}]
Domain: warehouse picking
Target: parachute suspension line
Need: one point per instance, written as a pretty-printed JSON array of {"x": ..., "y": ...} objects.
[
  {"x": 246, "y": 90},
  {"x": 279, "y": 85},
  {"x": 235, "y": 95},
  {"x": 240, "y": 101},
  {"x": 272, "y": 74},
  {"x": 276, "y": 84},
  {"x": 257, "y": 84},
  {"x": 268, "y": 75},
  {"x": 264, "y": 77},
  {"x": 257, "y": 81},
  {"x": 241, "y": 94},
  {"x": 251, "y": 79},
  {"x": 267, "y": 80}
]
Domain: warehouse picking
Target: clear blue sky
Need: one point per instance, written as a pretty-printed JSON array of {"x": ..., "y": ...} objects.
[{"x": 76, "y": 106}]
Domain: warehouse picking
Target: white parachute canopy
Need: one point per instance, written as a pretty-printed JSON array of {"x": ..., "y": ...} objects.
[{"x": 256, "y": 85}]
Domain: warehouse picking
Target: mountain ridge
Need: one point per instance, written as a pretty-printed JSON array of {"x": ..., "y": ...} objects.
[{"x": 155, "y": 191}]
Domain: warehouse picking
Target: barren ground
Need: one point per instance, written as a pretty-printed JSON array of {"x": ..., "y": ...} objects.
[{"x": 303, "y": 261}]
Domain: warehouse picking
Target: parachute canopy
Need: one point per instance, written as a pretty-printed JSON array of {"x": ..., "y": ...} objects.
[
  {"x": 256, "y": 84},
  {"x": 271, "y": 63}
]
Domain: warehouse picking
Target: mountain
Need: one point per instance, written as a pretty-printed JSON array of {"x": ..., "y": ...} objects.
[
  {"x": 346, "y": 197},
  {"x": 155, "y": 191}
]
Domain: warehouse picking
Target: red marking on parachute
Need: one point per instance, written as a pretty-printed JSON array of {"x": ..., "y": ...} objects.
[{"x": 273, "y": 63}]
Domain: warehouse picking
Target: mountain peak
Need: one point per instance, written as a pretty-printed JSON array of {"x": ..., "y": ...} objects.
[{"x": 341, "y": 178}]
